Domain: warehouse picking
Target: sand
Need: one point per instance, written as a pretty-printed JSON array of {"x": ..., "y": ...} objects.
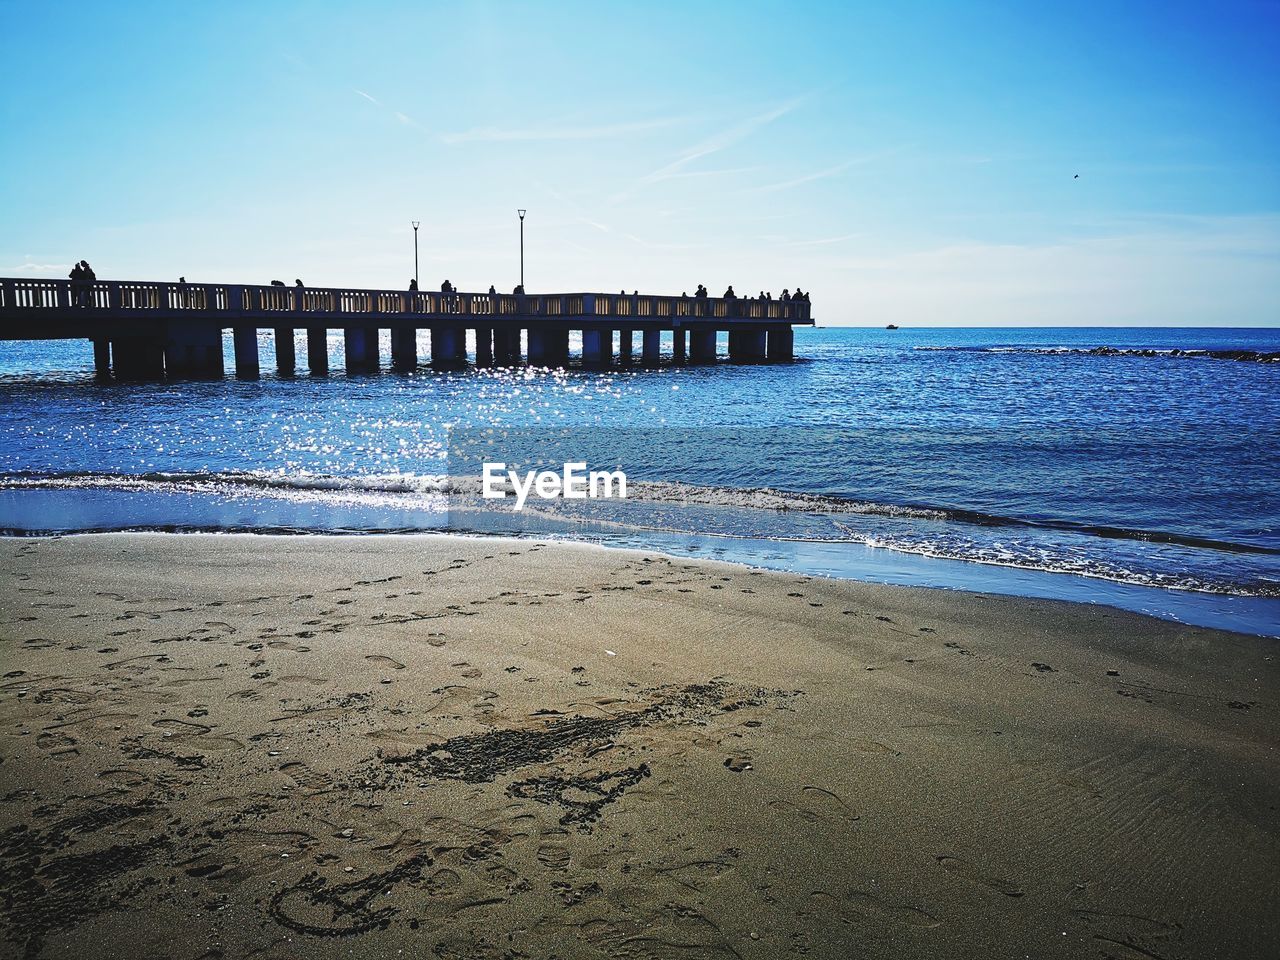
[{"x": 237, "y": 746}]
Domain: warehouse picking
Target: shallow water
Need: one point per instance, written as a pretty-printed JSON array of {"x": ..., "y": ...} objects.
[{"x": 1001, "y": 460}]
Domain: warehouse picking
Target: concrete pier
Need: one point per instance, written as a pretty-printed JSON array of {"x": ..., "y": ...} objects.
[
  {"x": 143, "y": 329},
  {"x": 448, "y": 347},
  {"x": 360, "y": 347},
  {"x": 539, "y": 349},
  {"x": 747, "y": 346},
  {"x": 245, "y": 340},
  {"x": 597, "y": 348},
  {"x": 651, "y": 348},
  {"x": 139, "y": 358},
  {"x": 404, "y": 348},
  {"x": 781, "y": 345},
  {"x": 193, "y": 350},
  {"x": 702, "y": 346},
  {"x": 102, "y": 358},
  {"x": 484, "y": 347},
  {"x": 286, "y": 357},
  {"x": 506, "y": 346},
  {"x": 318, "y": 351}
]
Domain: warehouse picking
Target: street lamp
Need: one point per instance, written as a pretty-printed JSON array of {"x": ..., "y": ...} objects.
[
  {"x": 521, "y": 212},
  {"x": 415, "y": 250}
]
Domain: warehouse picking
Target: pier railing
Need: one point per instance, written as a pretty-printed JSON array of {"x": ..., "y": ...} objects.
[{"x": 271, "y": 303}]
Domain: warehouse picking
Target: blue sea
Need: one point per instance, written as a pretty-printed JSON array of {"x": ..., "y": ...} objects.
[{"x": 1000, "y": 460}]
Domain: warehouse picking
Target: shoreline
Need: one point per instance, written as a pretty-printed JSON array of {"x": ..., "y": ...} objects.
[
  {"x": 473, "y": 746},
  {"x": 886, "y": 567}
]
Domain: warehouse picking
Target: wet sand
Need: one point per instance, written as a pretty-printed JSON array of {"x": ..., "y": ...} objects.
[{"x": 235, "y": 746}]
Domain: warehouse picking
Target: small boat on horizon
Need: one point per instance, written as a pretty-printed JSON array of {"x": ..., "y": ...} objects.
[{"x": 892, "y": 326}]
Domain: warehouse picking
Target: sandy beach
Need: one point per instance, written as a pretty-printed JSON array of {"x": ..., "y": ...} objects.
[{"x": 240, "y": 746}]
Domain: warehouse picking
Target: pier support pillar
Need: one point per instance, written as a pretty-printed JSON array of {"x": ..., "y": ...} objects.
[
  {"x": 286, "y": 356},
  {"x": 246, "y": 348},
  {"x": 559, "y": 339},
  {"x": 137, "y": 358},
  {"x": 404, "y": 348},
  {"x": 318, "y": 351},
  {"x": 539, "y": 355},
  {"x": 360, "y": 349},
  {"x": 626, "y": 337},
  {"x": 597, "y": 348},
  {"x": 781, "y": 345},
  {"x": 747, "y": 346},
  {"x": 193, "y": 350},
  {"x": 651, "y": 347},
  {"x": 506, "y": 346},
  {"x": 702, "y": 346},
  {"x": 448, "y": 347},
  {"x": 484, "y": 347},
  {"x": 102, "y": 358},
  {"x": 677, "y": 345}
]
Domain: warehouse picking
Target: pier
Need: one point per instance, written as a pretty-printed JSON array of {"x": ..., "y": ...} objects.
[{"x": 150, "y": 331}]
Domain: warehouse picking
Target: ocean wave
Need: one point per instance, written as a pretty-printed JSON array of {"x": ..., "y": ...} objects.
[
  {"x": 1246, "y": 356},
  {"x": 421, "y": 503},
  {"x": 364, "y": 488}
]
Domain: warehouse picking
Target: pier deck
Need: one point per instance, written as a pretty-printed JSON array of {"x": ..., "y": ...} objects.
[{"x": 151, "y": 330}]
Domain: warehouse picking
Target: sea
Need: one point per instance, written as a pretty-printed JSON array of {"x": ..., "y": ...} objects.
[{"x": 1008, "y": 461}]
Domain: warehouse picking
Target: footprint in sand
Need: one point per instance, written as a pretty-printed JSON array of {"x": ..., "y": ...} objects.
[
  {"x": 816, "y": 805},
  {"x": 286, "y": 645},
  {"x": 1129, "y": 936},
  {"x": 870, "y": 906},
  {"x": 553, "y": 856},
  {"x": 963, "y": 868},
  {"x": 385, "y": 661}
]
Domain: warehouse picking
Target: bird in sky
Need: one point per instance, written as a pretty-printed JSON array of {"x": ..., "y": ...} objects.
[{"x": 1076, "y": 177}]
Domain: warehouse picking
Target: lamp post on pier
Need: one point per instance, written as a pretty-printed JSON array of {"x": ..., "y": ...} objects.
[
  {"x": 521, "y": 212},
  {"x": 415, "y": 251}
]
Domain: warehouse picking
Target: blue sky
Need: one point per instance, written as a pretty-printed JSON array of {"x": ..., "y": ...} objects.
[{"x": 910, "y": 163}]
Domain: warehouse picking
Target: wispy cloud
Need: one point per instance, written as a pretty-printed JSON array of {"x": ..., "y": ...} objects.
[
  {"x": 403, "y": 118},
  {"x": 724, "y": 138},
  {"x": 822, "y": 241},
  {"x": 718, "y": 141},
  {"x": 838, "y": 169},
  {"x": 36, "y": 267},
  {"x": 607, "y": 131}
]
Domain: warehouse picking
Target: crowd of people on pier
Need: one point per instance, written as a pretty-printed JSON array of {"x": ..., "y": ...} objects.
[
  {"x": 83, "y": 277},
  {"x": 702, "y": 294}
]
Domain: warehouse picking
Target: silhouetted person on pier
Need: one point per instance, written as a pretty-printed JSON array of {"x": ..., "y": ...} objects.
[
  {"x": 519, "y": 290},
  {"x": 77, "y": 285},
  {"x": 701, "y": 292},
  {"x": 297, "y": 283},
  {"x": 413, "y": 284},
  {"x": 87, "y": 276},
  {"x": 786, "y": 297},
  {"x": 184, "y": 295},
  {"x": 797, "y": 295},
  {"x": 446, "y": 287},
  {"x": 493, "y": 291},
  {"x": 277, "y": 283},
  {"x": 729, "y": 294}
]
